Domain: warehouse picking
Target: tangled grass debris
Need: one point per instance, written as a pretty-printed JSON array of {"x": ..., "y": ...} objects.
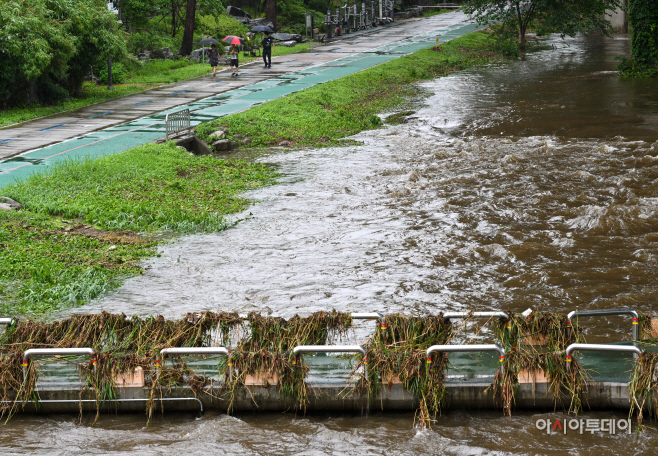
[{"x": 262, "y": 354}]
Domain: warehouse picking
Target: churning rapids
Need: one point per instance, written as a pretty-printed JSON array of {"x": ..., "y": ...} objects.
[{"x": 530, "y": 184}]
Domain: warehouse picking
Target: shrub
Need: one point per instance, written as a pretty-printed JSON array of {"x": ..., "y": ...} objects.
[
  {"x": 140, "y": 41},
  {"x": 119, "y": 74},
  {"x": 220, "y": 26}
]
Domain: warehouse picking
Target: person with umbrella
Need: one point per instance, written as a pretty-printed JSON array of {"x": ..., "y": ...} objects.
[
  {"x": 234, "y": 41},
  {"x": 267, "y": 43},
  {"x": 213, "y": 59}
]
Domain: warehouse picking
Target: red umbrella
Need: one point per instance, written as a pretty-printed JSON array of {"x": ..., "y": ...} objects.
[{"x": 231, "y": 39}]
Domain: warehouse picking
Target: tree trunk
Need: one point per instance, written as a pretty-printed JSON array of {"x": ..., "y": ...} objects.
[
  {"x": 270, "y": 12},
  {"x": 522, "y": 31},
  {"x": 188, "y": 34}
]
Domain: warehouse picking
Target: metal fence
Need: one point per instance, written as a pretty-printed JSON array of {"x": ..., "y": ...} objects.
[{"x": 177, "y": 121}]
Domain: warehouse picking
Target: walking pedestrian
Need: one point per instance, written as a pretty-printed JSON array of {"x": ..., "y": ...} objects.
[
  {"x": 234, "y": 60},
  {"x": 268, "y": 45},
  {"x": 213, "y": 59}
]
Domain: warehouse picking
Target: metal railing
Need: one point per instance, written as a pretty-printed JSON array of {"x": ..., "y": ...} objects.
[
  {"x": 301, "y": 349},
  {"x": 605, "y": 312},
  {"x": 367, "y": 316},
  {"x": 479, "y": 315},
  {"x": 177, "y": 121},
  {"x": 195, "y": 351},
  {"x": 56, "y": 352},
  {"x": 6, "y": 321},
  {"x": 491, "y": 314},
  {"x": 467, "y": 348},
  {"x": 637, "y": 351}
]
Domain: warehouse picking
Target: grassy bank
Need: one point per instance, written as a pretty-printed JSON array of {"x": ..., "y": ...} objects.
[
  {"x": 76, "y": 237},
  {"x": 324, "y": 114},
  {"x": 141, "y": 77}
]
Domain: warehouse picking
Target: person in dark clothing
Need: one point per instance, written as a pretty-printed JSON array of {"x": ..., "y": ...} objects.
[
  {"x": 213, "y": 59},
  {"x": 268, "y": 45}
]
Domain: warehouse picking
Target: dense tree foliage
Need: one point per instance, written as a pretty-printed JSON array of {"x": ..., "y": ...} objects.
[
  {"x": 643, "y": 18},
  {"x": 567, "y": 17},
  {"x": 48, "y": 46}
]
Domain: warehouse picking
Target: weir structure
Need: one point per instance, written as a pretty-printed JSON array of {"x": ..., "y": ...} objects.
[{"x": 334, "y": 375}]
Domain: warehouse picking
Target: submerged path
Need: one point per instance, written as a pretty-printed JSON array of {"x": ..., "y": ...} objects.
[{"x": 116, "y": 126}]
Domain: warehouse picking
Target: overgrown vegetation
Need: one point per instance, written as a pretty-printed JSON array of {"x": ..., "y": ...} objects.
[
  {"x": 76, "y": 236},
  {"x": 322, "y": 115},
  {"x": 571, "y": 18},
  {"x": 47, "y": 48},
  {"x": 643, "y": 20}
]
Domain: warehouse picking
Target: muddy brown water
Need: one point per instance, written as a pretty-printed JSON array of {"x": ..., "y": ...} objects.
[{"x": 530, "y": 184}]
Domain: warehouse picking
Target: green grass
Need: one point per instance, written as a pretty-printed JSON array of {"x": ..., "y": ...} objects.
[
  {"x": 427, "y": 12},
  {"x": 324, "y": 114},
  {"x": 91, "y": 94},
  {"x": 148, "y": 188},
  {"x": 44, "y": 266}
]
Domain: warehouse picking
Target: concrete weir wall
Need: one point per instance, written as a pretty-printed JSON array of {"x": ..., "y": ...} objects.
[
  {"x": 618, "y": 18},
  {"x": 336, "y": 398}
]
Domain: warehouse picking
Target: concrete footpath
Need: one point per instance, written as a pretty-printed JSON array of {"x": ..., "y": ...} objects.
[{"x": 118, "y": 125}]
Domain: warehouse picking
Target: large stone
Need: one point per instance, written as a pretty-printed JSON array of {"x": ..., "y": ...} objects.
[
  {"x": 287, "y": 43},
  {"x": 8, "y": 204},
  {"x": 196, "y": 54},
  {"x": 237, "y": 12},
  {"x": 219, "y": 134},
  {"x": 287, "y": 37},
  {"x": 167, "y": 54},
  {"x": 261, "y": 21},
  {"x": 221, "y": 145}
]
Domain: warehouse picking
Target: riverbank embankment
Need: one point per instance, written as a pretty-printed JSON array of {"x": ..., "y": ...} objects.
[{"x": 85, "y": 226}]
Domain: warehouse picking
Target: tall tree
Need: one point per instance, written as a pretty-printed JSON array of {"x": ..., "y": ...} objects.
[
  {"x": 567, "y": 17},
  {"x": 270, "y": 12},
  {"x": 643, "y": 18},
  {"x": 188, "y": 33},
  {"x": 48, "y": 46}
]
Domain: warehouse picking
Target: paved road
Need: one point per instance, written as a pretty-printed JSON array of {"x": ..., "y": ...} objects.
[{"x": 118, "y": 125}]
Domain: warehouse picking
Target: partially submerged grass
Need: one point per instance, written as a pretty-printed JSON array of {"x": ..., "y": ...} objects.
[
  {"x": 50, "y": 260},
  {"x": 324, "y": 114}
]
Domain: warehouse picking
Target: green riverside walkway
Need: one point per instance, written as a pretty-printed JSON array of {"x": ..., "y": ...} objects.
[{"x": 146, "y": 129}]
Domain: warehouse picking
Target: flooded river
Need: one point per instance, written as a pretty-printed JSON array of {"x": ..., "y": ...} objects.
[{"x": 531, "y": 184}]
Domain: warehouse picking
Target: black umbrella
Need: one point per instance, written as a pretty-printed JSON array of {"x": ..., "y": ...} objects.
[
  {"x": 205, "y": 41},
  {"x": 262, "y": 28}
]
